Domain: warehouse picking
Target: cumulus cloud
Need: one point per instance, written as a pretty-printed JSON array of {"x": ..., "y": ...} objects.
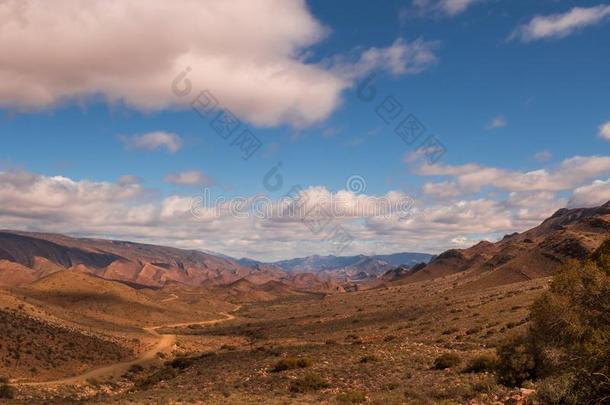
[
  {"x": 604, "y": 131},
  {"x": 591, "y": 195},
  {"x": 153, "y": 141},
  {"x": 562, "y": 24},
  {"x": 191, "y": 177},
  {"x": 472, "y": 178},
  {"x": 126, "y": 210},
  {"x": 251, "y": 55}
]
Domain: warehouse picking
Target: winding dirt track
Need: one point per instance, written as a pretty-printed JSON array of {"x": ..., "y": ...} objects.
[{"x": 164, "y": 344}]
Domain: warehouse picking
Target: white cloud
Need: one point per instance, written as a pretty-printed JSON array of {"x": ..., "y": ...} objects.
[
  {"x": 497, "y": 122},
  {"x": 127, "y": 211},
  {"x": 561, "y": 25},
  {"x": 153, "y": 141},
  {"x": 591, "y": 195},
  {"x": 444, "y": 7},
  {"x": 400, "y": 58},
  {"x": 251, "y": 55},
  {"x": 604, "y": 130},
  {"x": 472, "y": 178},
  {"x": 191, "y": 177},
  {"x": 453, "y": 7}
]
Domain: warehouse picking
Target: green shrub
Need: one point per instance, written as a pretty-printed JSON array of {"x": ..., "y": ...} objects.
[
  {"x": 517, "y": 361},
  {"x": 309, "y": 382},
  {"x": 556, "y": 390},
  {"x": 481, "y": 364},
  {"x": 568, "y": 342},
  {"x": 291, "y": 363},
  {"x": 447, "y": 360}
]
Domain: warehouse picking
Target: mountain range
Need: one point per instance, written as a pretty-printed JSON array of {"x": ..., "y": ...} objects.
[
  {"x": 26, "y": 257},
  {"x": 351, "y": 268},
  {"x": 569, "y": 234}
]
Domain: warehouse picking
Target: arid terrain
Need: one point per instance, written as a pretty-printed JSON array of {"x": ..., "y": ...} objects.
[
  {"x": 303, "y": 202},
  {"x": 177, "y": 326}
]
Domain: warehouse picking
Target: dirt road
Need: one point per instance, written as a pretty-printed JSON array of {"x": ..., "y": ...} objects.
[{"x": 163, "y": 345}]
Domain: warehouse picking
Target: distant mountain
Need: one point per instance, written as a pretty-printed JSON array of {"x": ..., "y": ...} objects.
[
  {"x": 26, "y": 257},
  {"x": 334, "y": 262},
  {"x": 351, "y": 268},
  {"x": 405, "y": 259},
  {"x": 569, "y": 234},
  {"x": 248, "y": 262}
]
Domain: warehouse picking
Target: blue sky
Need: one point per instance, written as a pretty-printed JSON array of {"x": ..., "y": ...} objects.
[{"x": 503, "y": 92}]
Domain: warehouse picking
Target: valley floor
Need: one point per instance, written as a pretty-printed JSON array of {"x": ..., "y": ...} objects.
[{"x": 376, "y": 346}]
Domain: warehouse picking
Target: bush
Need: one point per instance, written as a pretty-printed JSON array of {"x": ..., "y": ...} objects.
[
  {"x": 481, "y": 364},
  {"x": 556, "y": 390},
  {"x": 486, "y": 385},
  {"x": 568, "y": 343},
  {"x": 291, "y": 363},
  {"x": 135, "y": 369},
  {"x": 517, "y": 361},
  {"x": 309, "y": 382},
  {"x": 181, "y": 363},
  {"x": 164, "y": 374},
  {"x": 447, "y": 360}
]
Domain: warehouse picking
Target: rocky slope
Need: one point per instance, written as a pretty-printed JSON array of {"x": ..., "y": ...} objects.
[
  {"x": 136, "y": 263},
  {"x": 26, "y": 257},
  {"x": 569, "y": 234}
]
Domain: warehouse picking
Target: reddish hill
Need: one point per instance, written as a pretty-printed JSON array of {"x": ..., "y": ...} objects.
[
  {"x": 25, "y": 257},
  {"x": 569, "y": 234},
  {"x": 247, "y": 291}
]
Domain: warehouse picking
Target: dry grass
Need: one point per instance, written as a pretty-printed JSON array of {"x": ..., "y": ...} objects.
[{"x": 380, "y": 345}]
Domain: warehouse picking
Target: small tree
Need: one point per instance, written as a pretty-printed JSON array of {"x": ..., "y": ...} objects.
[{"x": 570, "y": 332}]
